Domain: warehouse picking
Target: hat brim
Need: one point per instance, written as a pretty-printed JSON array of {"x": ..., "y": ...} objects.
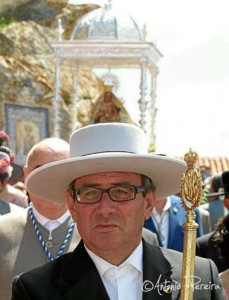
[
  {"x": 17, "y": 173},
  {"x": 51, "y": 181}
]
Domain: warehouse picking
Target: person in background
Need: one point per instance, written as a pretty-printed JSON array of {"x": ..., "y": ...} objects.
[
  {"x": 40, "y": 233},
  {"x": 223, "y": 192},
  {"x": 4, "y": 138},
  {"x": 13, "y": 194},
  {"x": 205, "y": 172},
  {"x": 215, "y": 205},
  {"x": 206, "y": 245},
  {"x": 167, "y": 219},
  {"x": 110, "y": 184},
  {"x": 222, "y": 241},
  {"x": 205, "y": 217},
  {"x": 5, "y": 173}
]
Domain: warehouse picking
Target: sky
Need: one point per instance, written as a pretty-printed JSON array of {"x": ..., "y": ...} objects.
[{"x": 193, "y": 81}]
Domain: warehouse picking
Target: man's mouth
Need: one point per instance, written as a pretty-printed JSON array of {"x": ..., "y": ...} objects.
[{"x": 105, "y": 227}]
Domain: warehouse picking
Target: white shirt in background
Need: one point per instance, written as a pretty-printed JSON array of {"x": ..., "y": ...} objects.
[
  {"x": 50, "y": 225},
  {"x": 162, "y": 221}
]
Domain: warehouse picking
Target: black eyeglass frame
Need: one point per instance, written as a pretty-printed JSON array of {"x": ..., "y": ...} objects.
[{"x": 137, "y": 189}]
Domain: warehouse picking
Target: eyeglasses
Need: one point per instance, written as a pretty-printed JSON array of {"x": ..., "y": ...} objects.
[{"x": 119, "y": 193}]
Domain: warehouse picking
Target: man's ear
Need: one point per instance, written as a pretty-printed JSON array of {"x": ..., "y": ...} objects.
[
  {"x": 150, "y": 203},
  {"x": 26, "y": 171},
  {"x": 71, "y": 203}
]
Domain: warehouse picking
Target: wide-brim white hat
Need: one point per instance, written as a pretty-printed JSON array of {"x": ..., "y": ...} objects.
[{"x": 106, "y": 147}]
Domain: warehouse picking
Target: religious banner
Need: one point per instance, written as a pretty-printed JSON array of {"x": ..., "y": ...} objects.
[{"x": 26, "y": 125}]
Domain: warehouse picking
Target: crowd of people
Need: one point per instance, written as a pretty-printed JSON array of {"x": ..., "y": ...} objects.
[{"x": 98, "y": 217}]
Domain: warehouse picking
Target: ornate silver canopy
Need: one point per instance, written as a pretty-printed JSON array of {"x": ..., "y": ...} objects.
[
  {"x": 106, "y": 23},
  {"x": 104, "y": 38}
]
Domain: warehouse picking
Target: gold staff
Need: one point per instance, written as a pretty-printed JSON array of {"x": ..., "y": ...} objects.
[{"x": 191, "y": 190}]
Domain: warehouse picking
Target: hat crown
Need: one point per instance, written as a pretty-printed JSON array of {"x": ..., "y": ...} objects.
[
  {"x": 4, "y": 155},
  {"x": 108, "y": 137}
]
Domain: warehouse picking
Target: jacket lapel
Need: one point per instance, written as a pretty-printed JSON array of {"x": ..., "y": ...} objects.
[
  {"x": 149, "y": 224},
  {"x": 173, "y": 215},
  {"x": 158, "y": 275},
  {"x": 80, "y": 278}
]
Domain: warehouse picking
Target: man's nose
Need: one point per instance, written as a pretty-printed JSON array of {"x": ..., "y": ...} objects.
[{"x": 106, "y": 205}]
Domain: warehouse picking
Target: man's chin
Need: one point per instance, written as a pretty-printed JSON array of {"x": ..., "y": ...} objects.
[{"x": 108, "y": 243}]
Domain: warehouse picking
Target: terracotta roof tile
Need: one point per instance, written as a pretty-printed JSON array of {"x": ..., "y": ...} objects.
[{"x": 217, "y": 164}]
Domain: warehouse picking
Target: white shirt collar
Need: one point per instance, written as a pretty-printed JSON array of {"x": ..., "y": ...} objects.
[
  {"x": 166, "y": 207},
  {"x": 43, "y": 220},
  {"x": 135, "y": 259},
  {"x": 168, "y": 204}
]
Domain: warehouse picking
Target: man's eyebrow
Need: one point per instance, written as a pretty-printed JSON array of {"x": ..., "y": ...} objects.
[
  {"x": 121, "y": 183},
  {"x": 90, "y": 185},
  {"x": 112, "y": 184}
]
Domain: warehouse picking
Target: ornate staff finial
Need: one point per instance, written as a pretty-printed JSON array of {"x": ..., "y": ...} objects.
[
  {"x": 191, "y": 183},
  {"x": 191, "y": 190}
]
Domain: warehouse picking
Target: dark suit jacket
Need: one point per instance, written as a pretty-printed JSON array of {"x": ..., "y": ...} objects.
[
  {"x": 177, "y": 217},
  {"x": 206, "y": 247},
  {"x": 73, "y": 276}
]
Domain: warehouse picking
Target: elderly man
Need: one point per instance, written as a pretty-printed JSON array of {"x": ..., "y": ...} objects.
[
  {"x": 110, "y": 183},
  {"x": 34, "y": 236}
]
